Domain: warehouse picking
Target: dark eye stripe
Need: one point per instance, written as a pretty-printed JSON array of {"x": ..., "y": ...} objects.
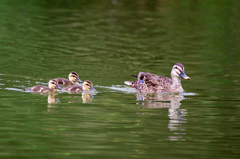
[{"x": 177, "y": 68}]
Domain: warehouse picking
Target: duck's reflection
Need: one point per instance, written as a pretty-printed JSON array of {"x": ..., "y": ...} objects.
[{"x": 175, "y": 114}]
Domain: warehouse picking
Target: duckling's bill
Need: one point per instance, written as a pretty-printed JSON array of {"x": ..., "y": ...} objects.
[
  {"x": 92, "y": 89},
  {"x": 58, "y": 87},
  {"x": 78, "y": 79}
]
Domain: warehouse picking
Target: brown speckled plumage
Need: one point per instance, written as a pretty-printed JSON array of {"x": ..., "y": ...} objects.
[{"x": 153, "y": 83}]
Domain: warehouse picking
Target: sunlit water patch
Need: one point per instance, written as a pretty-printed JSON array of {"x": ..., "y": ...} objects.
[{"x": 122, "y": 88}]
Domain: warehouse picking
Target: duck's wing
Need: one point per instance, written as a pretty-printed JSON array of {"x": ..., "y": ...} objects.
[
  {"x": 151, "y": 83},
  {"x": 142, "y": 78},
  {"x": 39, "y": 88}
]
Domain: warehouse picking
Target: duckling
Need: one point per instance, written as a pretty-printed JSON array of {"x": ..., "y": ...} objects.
[
  {"x": 87, "y": 86},
  {"x": 150, "y": 83},
  {"x": 52, "y": 87},
  {"x": 73, "y": 79}
]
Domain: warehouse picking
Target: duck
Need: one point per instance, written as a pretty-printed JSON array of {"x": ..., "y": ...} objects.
[
  {"x": 52, "y": 87},
  {"x": 87, "y": 86},
  {"x": 73, "y": 79},
  {"x": 150, "y": 83}
]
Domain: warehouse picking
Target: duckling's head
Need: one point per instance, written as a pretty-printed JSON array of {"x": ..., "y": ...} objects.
[
  {"x": 73, "y": 77},
  {"x": 178, "y": 71},
  {"x": 53, "y": 84},
  {"x": 88, "y": 86}
]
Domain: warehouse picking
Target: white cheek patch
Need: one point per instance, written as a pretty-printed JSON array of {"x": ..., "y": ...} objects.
[{"x": 178, "y": 72}]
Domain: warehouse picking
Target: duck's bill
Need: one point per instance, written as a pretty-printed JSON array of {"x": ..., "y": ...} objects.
[
  {"x": 184, "y": 76},
  {"x": 78, "y": 79},
  {"x": 58, "y": 87},
  {"x": 92, "y": 89}
]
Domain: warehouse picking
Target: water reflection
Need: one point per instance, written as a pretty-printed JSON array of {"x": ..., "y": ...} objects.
[
  {"x": 87, "y": 97},
  {"x": 52, "y": 98},
  {"x": 175, "y": 114}
]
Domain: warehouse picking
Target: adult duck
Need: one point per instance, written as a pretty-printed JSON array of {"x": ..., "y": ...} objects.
[{"x": 150, "y": 83}]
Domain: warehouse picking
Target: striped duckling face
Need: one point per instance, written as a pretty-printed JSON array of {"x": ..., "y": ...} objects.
[
  {"x": 52, "y": 84},
  {"x": 88, "y": 86},
  {"x": 178, "y": 71},
  {"x": 73, "y": 77}
]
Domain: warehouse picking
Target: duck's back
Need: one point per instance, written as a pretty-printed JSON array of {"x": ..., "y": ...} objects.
[
  {"x": 63, "y": 81},
  {"x": 75, "y": 88},
  {"x": 150, "y": 83},
  {"x": 41, "y": 89}
]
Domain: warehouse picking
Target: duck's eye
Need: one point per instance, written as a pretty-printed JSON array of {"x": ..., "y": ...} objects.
[{"x": 175, "y": 67}]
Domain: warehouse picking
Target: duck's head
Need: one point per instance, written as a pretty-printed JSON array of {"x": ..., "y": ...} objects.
[
  {"x": 53, "y": 84},
  {"x": 88, "y": 86},
  {"x": 73, "y": 77},
  {"x": 178, "y": 71}
]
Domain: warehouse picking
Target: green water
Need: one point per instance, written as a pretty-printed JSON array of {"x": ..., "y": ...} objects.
[{"x": 105, "y": 42}]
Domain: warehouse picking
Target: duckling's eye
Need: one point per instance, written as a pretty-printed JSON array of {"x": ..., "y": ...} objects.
[
  {"x": 175, "y": 67},
  {"x": 87, "y": 84},
  {"x": 53, "y": 83}
]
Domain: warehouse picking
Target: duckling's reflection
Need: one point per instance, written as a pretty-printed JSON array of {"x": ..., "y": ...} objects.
[
  {"x": 175, "y": 114},
  {"x": 87, "y": 97},
  {"x": 52, "y": 97},
  {"x": 52, "y": 100}
]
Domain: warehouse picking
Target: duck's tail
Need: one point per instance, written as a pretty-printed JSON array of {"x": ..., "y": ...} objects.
[
  {"x": 129, "y": 83},
  {"x": 134, "y": 75}
]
